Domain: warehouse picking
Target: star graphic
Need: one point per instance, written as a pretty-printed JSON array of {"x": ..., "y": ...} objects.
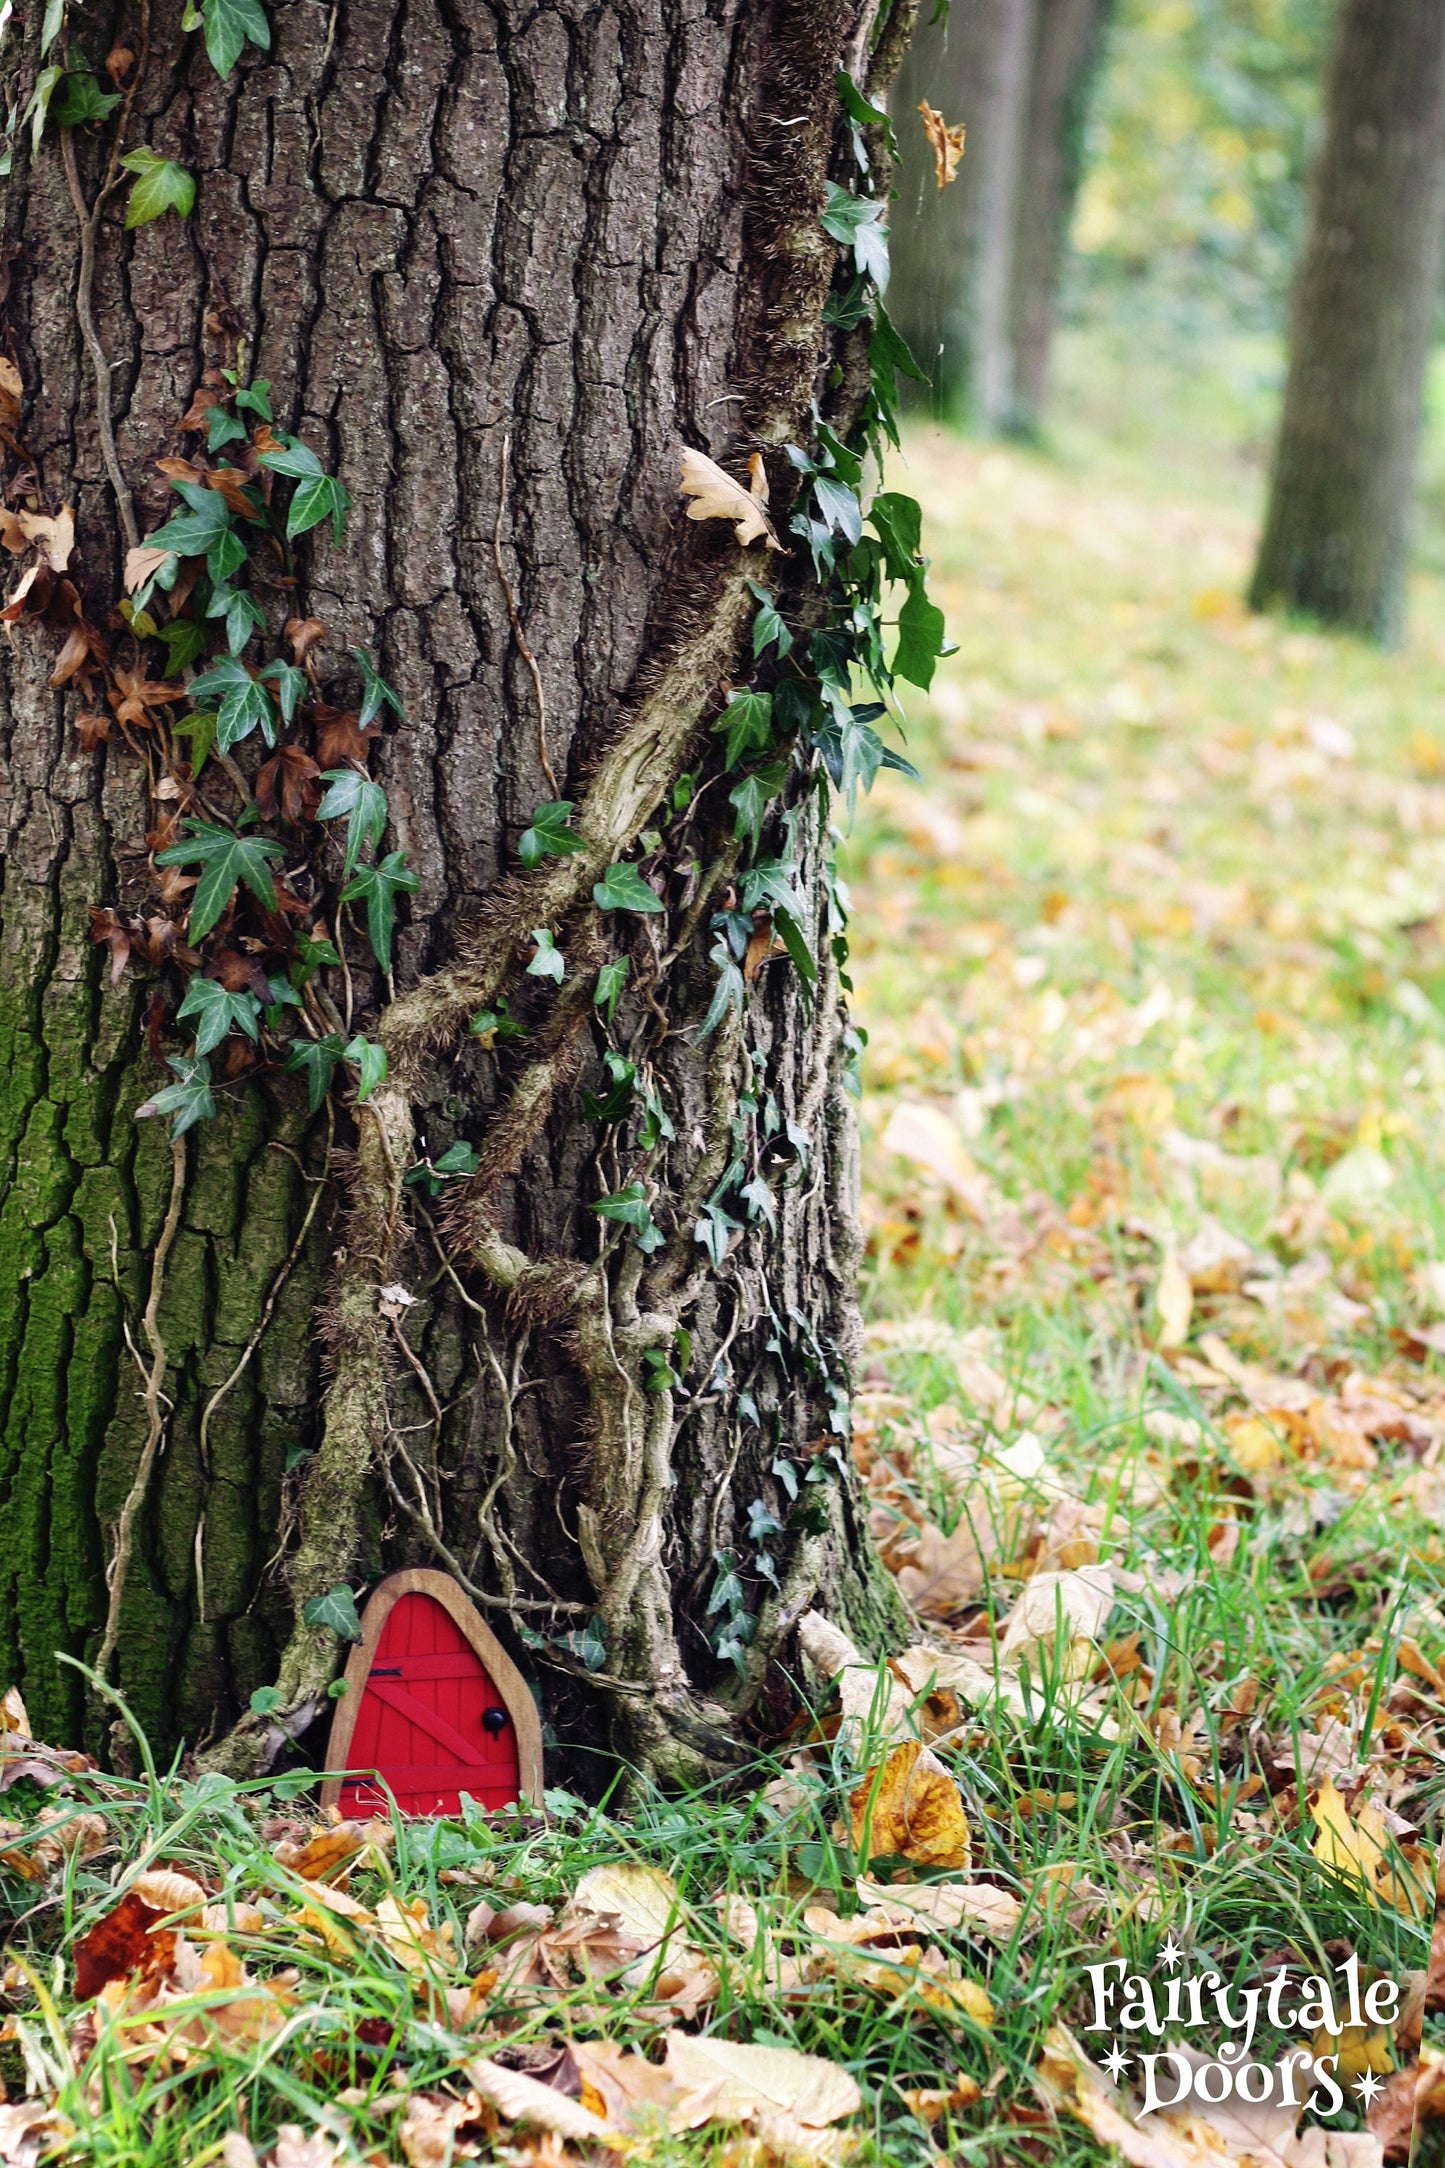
[
  {"x": 1116, "y": 2062},
  {"x": 1368, "y": 2086},
  {"x": 1170, "y": 1951}
]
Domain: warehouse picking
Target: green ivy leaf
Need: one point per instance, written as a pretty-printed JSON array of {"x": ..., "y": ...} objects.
[
  {"x": 266, "y": 1701},
  {"x": 160, "y": 186},
  {"x": 857, "y": 107},
  {"x": 898, "y": 521},
  {"x": 549, "y": 836},
  {"x": 189, "y": 1099},
  {"x": 768, "y": 626},
  {"x": 838, "y": 504},
  {"x": 370, "y": 1059},
  {"x": 747, "y": 722},
  {"x": 222, "y": 428},
  {"x": 730, "y": 991},
  {"x": 295, "y": 460},
  {"x": 920, "y": 637},
  {"x": 610, "y": 981},
  {"x": 83, "y": 100},
  {"x": 796, "y": 943},
  {"x": 753, "y": 795},
  {"x": 184, "y": 641},
  {"x": 256, "y": 397},
  {"x": 336, "y": 1611},
  {"x": 622, "y": 888},
  {"x": 631, "y": 1208},
  {"x": 228, "y": 24},
  {"x": 196, "y": 532},
  {"x": 549, "y": 962},
  {"x": 50, "y": 24},
  {"x": 225, "y": 861},
  {"x": 374, "y": 691},
  {"x": 201, "y": 730},
  {"x": 39, "y": 105},
  {"x": 225, "y": 557},
  {"x": 380, "y": 886},
  {"x": 316, "y": 1060},
  {"x": 242, "y": 612},
  {"x": 359, "y": 801},
  {"x": 218, "y": 1012},
  {"x": 320, "y": 497},
  {"x": 494, "y": 1023},
  {"x": 290, "y": 684},
  {"x": 856, "y": 222},
  {"x": 459, "y": 1158},
  {"x": 244, "y": 701}
]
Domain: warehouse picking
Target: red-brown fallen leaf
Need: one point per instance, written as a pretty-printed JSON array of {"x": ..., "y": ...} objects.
[
  {"x": 123, "y": 1943},
  {"x": 12, "y": 534},
  {"x": 91, "y": 730},
  {"x": 12, "y": 390},
  {"x": 304, "y": 633},
  {"x": 106, "y": 926},
  {"x": 72, "y": 657},
  {"x": 229, "y": 482},
  {"x": 31, "y": 593},
  {"x": 339, "y": 737},
  {"x": 118, "y": 63},
  {"x": 284, "y": 786}
]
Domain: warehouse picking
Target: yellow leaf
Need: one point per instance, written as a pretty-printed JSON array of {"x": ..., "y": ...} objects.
[
  {"x": 1253, "y": 1444},
  {"x": 1174, "y": 1301},
  {"x": 911, "y": 1807},
  {"x": 717, "y": 496},
  {"x": 1360, "y": 1851},
  {"x": 946, "y": 143}
]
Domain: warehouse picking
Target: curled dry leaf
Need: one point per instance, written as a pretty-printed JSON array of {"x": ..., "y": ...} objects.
[
  {"x": 910, "y": 1808},
  {"x": 166, "y": 1891},
  {"x": 870, "y": 1696},
  {"x": 1173, "y": 1301},
  {"x": 142, "y": 564},
  {"x": 789, "y": 2097},
  {"x": 53, "y": 535},
  {"x": 716, "y": 495},
  {"x": 945, "y": 143},
  {"x": 294, "y": 2149},
  {"x": 1360, "y": 1850},
  {"x": 929, "y": 2106},
  {"x": 1070, "y": 1607},
  {"x": 951, "y": 1905},
  {"x": 874, "y": 1950},
  {"x": 29, "y": 2130},
  {"x": 427, "y": 2133},
  {"x": 526, "y": 2100}
]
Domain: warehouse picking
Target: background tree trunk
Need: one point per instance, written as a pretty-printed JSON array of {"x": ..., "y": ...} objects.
[
  {"x": 1336, "y": 528},
  {"x": 1068, "y": 41},
  {"x": 497, "y": 264}
]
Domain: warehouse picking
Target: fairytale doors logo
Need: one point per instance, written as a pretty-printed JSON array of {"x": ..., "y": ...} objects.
[{"x": 1127, "y": 2004}]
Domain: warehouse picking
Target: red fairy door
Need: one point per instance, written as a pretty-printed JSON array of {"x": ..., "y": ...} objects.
[{"x": 437, "y": 1708}]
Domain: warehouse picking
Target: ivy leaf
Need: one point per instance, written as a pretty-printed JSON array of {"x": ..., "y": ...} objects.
[
  {"x": 336, "y": 1610},
  {"x": 321, "y": 497},
  {"x": 459, "y": 1158},
  {"x": 201, "y": 730},
  {"x": 857, "y": 107},
  {"x": 370, "y": 1059},
  {"x": 222, "y": 428},
  {"x": 294, "y": 459},
  {"x": 160, "y": 186},
  {"x": 362, "y": 803},
  {"x": 316, "y": 1060},
  {"x": 549, "y": 836},
  {"x": 195, "y": 532},
  {"x": 242, "y": 612},
  {"x": 856, "y": 222},
  {"x": 549, "y": 962},
  {"x": 184, "y": 641},
  {"x": 39, "y": 105},
  {"x": 494, "y": 1023},
  {"x": 217, "y": 1012},
  {"x": 380, "y": 886},
  {"x": 796, "y": 943},
  {"x": 83, "y": 100},
  {"x": 189, "y": 1099},
  {"x": 920, "y": 637},
  {"x": 225, "y": 861},
  {"x": 375, "y": 690},
  {"x": 266, "y": 1701},
  {"x": 51, "y": 24},
  {"x": 290, "y": 684},
  {"x": 752, "y": 796},
  {"x": 768, "y": 626},
  {"x": 256, "y": 397},
  {"x": 747, "y": 721},
  {"x": 225, "y": 556},
  {"x": 610, "y": 981},
  {"x": 631, "y": 1208},
  {"x": 622, "y": 888},
  {"x": 899, "y": 524},
  {"x": 244, "y": 702},
  {"x": 839, "y": 506},
  {"x": 228, "y": 24}
]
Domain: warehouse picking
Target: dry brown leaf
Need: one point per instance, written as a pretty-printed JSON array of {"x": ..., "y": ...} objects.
[
  {"x": 929, "y": 2106},
  {"x": 52, "y": 534},
  {"x": 427, "y": 2133},
  {"x": 1173, "y": 1301},
  {"x": 1359, "y": 1849},
  {"x": 870, "y": 1697},
  {"x": 12, "y": 390},
  {"x": 948, "y": 1905},
  {"x": 295, "y": 2150},
  {"x": 1073, "y": 1605},
  {"x": 237, "y": 2150},
  {"x": 716, "y": 495},
  {"x": 405, "y": 1930},
  {"x": 912, "y": 1808},
  {"x": 12, "y": 1712},
  {"x": 166, "y": 1891},
  {"x": 521, "y": 2099},
  {"x": 28, "y": 2129},
  {"x": 942, "y": 1574},
  {"x": 753, "y": 2080},
  {"x": 945, "y": 143},
  {"x": 142, "y": 564}
]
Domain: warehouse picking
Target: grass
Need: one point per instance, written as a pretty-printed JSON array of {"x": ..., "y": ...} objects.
[{"x": 1158, "y": 946}]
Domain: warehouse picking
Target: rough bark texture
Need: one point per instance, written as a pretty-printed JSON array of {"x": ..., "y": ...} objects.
[
  {"x": 1068, "y": 38},
  {"x": 1337, "y": 525},
  {"x": 497, "y": 262}
]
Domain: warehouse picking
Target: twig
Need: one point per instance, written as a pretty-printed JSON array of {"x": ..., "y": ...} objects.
[
  {"x": 153, "y": 1397},
  {"x": 517, "y": 634},
  {"x": 105, "y": 425}
]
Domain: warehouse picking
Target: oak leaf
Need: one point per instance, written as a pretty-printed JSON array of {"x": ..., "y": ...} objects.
[
  {"x": 945, "y": 143},
  {"x": 127, "y": 1942},
  {"x": 716, "y": 495},
  {"x": 910, "y": 1808}
]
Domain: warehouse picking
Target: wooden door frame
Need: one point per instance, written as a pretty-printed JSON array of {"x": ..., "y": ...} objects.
[{"x": 511, "y": 1686}]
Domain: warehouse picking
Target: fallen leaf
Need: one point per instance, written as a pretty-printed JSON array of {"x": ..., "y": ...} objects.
[
  {"x": 949, "y": 1905},
  {"x": 166, "y": 1891},
  {"x": 30, "y": 2129},
  {"x": 52, "y": 535},
  {"x": 930, "y": 2106},
  {"x": 12, "y": 1712},
  {"x": 142, "y": 564},
  {"x": 945, "y": 143},
  {"x": 427, "y": 2133},
  {"x": 522, "y": 2099},
  {"x": 910, "y": 1808},
  {"x": 295, "y": 2150},
  {"x": 127, "y": 1941},
  {"x": 716, "y": 495},
  {"x": 809, "y": 2089},
  {"x": 1173, "y": 1300},
  {"x": 942, "y": 1575},
  {"x": 1359, "y": 1850},
  {"x": 1072, "y": 1605}
]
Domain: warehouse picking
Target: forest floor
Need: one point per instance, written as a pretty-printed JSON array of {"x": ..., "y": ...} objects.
[{"x": 1153, "y": 969}]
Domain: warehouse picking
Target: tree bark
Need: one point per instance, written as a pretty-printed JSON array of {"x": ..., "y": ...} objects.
[
  {"x": 1336, "y": 528},
  {"x": 497, "y": 264},
  {"x": 1068, "y": 38}
]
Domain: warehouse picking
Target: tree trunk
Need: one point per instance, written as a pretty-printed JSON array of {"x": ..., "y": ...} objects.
[
  {"x": 1336, "y": 528},
  {"x": 953, "y": 247},
  {"x": 496, "y": 264},
  {"x": 1068, "y": 38}
]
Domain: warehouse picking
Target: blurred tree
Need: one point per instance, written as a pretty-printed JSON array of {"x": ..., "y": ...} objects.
[
  {"x": 1337, "y": 523},
  {"x": 976, "y": 266}
]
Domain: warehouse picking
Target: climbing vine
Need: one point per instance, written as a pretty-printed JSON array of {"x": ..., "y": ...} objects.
[{"x": 268, "y": 938}]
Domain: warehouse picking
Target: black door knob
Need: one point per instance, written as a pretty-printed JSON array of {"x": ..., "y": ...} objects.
[{"x": 494, "y": 1721}]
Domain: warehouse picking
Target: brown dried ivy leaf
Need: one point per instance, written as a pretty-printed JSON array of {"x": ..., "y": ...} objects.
[
  {"x": 53, "y": 535},
  {"x": 142, "y": 564},
  {"x": 118, "y": 63},
  {"x": 105, "y": 926},
  {"x": 12, "y": 391},
  {"x": 127, "y": 1941},
  {"x": 304, "y": 633},
  {"x": 946, "y": 143},
  {"x": 340, "y": 737},
  {"x": 716, "y": 495},
  {"x": 283, "y": 786},
  {"x": 12, "y": 534}
]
